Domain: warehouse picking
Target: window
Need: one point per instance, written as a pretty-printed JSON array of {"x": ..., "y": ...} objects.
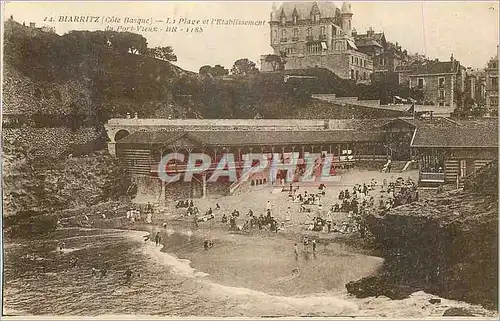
[
  {"x": 441, "y": 94},
  {"x": 364, "y": 75},
  {"x": 275, "y": 35},
  {"x": 334, "y": 31},
  {"x": 352, "y": 73},
  {"x": 283, "y": 33},
  {"x": 357, "y": 74},
  {"x": 441, "y": 82},
  {"x": 314, "y": 47},
  {"x": 494, "y": 82},
  {"x": 133, "y": 162},
  {"x": 309, "y": 32},
  {"x": 283, "y": 20},
  {"x": 352, "y": 60},
  {"x": 322, "y": 30},
  {"x": 441, "y": 104},
  {"x": 494, "y": 101},
  {"x": 295, "y": 19},
  {"x": 420, "y": 82},
  {"x": 296, "y": 32},
  {"x": 349, "y": 24},
  {"x": 356, "y": 60},
  {"x": 316, "y": 18}
]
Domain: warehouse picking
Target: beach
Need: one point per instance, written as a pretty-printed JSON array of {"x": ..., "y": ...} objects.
[{"x": 244, "y": 274}]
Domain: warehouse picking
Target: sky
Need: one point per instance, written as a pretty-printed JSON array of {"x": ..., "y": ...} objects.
[{"x": 467, "y": 29}]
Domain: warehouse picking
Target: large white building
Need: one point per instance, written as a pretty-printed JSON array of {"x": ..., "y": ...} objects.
[{"x": 317, "y": 34}]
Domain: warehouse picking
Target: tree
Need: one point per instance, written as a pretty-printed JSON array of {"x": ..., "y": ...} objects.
[
  {"x": 214, "y": 71},
  {"x": 205, "y": 70},
  {"x": 219, "y": 70},
  {"x": 162, "y": 53},
  {"x": 243, "y": 67},
  {"x": 277, "y": 61}
]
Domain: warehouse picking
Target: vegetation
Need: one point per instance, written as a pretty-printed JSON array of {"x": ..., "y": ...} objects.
[
  {"x": 214, "y": 71},
  {"x": 244, "y": 67}
]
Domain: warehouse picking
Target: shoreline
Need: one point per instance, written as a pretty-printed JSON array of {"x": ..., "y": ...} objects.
[
  {"x": 358, "y": 307},
  {"x": 250, "y": 302}
]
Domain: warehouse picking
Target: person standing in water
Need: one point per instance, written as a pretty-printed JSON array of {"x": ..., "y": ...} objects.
[{"x": 157, "y": 238}]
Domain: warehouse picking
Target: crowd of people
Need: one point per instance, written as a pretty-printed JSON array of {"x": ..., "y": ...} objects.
[{"x": 317, "y": 211}]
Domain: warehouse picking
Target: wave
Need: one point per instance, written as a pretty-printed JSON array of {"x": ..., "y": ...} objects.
[{"x": 250, "y": 300}]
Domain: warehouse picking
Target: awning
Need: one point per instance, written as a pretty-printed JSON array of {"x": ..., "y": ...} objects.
[
  {"x": 352, "y": 44},
  {"x": 323, "y": 45}
]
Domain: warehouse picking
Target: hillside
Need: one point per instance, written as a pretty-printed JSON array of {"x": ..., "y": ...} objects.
[
  {"x": 93, "y": 76},
  {"x": 74, "y": 74}
]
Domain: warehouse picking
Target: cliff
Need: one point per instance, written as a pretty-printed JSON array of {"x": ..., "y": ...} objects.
[{"x": 446, "y": 245}]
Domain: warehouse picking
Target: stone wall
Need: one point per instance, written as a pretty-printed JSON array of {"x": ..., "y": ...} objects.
[
  {"x": 182, "y": 190},
  {"x": 339, "y": 63},
  {"x": 50, "y": 141},
  {"x": 149, "y": 189}
]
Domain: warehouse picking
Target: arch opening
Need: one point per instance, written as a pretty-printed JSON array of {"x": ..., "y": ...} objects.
[{"x": 122, "y": 133}]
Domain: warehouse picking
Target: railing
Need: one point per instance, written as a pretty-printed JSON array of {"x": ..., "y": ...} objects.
[
  {"x": 284, "y": 39},
  {"x": 180, "y": 168},
  {"x": 295, "y": 38},
  {"x": 309, "y": 38},
  {"x": 432, "y": 177}
]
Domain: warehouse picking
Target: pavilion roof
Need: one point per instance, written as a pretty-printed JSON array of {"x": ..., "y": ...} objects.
[
  {"x": 248, "y": 137},
  {"x": 481, "y": 133}
]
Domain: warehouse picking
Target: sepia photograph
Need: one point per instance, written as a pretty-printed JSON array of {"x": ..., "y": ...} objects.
[{"x": 250, "y": 159}]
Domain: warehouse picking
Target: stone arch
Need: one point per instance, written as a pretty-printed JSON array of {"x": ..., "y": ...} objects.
[{"x": 122, "y": 133}]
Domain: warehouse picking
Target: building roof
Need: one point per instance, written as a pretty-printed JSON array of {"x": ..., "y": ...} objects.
[
  {"x": 248, "y": 138},
  {"x": 366, "y": 42},
  {"x": 430, "y": 67},
  {"x": 326, "y": 9},
  {"x": 481, "y": 133}
]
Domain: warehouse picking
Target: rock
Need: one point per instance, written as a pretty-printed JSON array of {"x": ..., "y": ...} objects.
[
  {"x": 434, "y": 301},
  {"x": 457, "y": 312},
  {"x": 377, "y": 286}
]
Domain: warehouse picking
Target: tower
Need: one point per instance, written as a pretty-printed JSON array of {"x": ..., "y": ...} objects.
[{"x": 346, "y": 15}]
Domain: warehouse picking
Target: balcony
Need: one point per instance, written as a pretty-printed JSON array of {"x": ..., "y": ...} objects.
[
  {"x": 295, "y": 38},
  {"x": 322, "y": 37},
  {"x": 309, "y": 38},
  {"x": 284, "y": 39},
  {"x": 432, "y": 177}
]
